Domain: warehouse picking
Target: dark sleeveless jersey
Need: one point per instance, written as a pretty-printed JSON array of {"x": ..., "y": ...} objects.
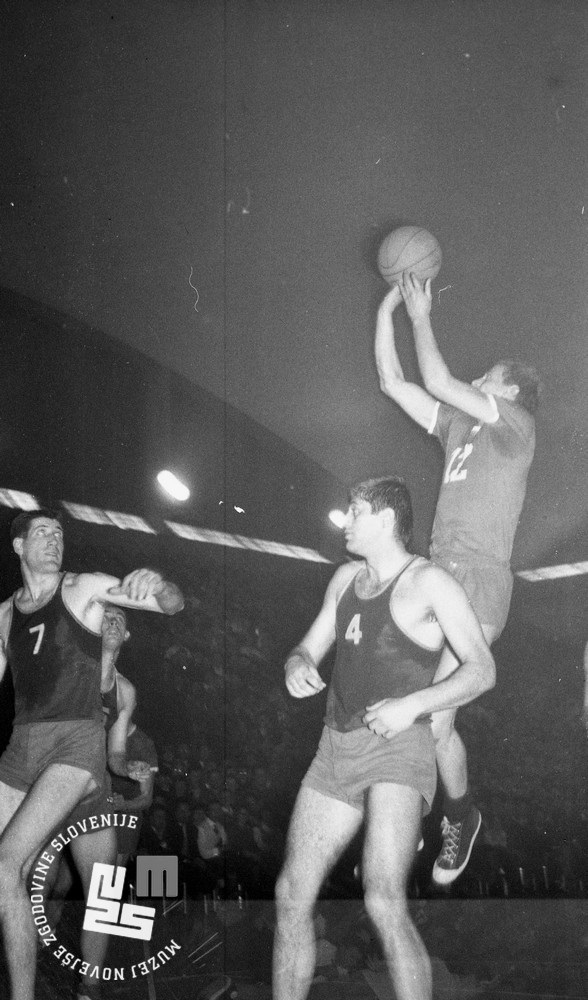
[
  {"x": 375, "y": 658},
  {"x": 55, "y": 663},
  {"x": 110, "y": 705}
]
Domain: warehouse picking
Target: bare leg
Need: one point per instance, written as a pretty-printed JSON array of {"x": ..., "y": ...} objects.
[
  {"x": 392, "y": 833},
  {"x": 450, "y": 751},
  {"x": 320, "y": 830},
  {"x": 58, "y": 882},
  {"x": 98, "y": 846},
  {"x": 27, "y": 822}
]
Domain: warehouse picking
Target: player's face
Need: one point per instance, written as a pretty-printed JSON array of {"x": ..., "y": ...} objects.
[
  {"x": 42, "y": 547},
  {"x": 362, "y": 527},
  {"x": 492, "y": 382},
  {"x": 114, "y": 628}
]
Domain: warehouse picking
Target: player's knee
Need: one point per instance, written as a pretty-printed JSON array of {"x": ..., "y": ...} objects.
[
  {"x": 385, "y": 903},
  {"x": 290, "y": 894}
]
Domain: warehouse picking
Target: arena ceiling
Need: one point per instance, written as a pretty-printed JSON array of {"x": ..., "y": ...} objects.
[{"x": 210, "y": 181}]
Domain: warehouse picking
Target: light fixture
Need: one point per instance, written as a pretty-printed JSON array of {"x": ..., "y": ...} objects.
[
  {"x": 337, "y": 517},
  {"x": 172, "y": 485}
]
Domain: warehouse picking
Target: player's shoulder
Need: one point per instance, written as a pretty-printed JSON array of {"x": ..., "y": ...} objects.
[
  {"x": 126, "y": 690},
  {"x": 515, "y": 416},
  {"x": 343, "y": 575},
  {"x": 6, "y": 609},
  {"x": 429, "y": 575}
]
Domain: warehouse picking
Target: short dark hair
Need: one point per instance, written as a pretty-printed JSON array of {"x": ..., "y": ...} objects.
[
  {"x": 383, "y": 492},
  {"x": 117, "y": 607},
  {"x": 19, "y": 526},
  {"x": 527, "y": 378}
]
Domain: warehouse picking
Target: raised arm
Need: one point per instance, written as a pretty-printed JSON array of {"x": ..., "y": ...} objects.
[
  {"x": 417, "y": 403},
  {"x": 436, "y": 375},
  {"x": 146, "y": 589},
  {"x": 301, "y": 667},
  {"x": 143, "y": 589},
  {"x": 117, "y": 735}
]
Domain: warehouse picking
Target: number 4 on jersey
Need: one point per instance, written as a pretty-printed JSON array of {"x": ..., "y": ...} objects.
[{"x": 353, "y": 633}]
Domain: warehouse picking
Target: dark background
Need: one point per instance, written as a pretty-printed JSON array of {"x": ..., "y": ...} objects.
[{"x": 191, "y": 201}]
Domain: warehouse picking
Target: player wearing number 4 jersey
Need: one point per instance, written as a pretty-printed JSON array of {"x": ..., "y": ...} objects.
[
  {"x": 389, "y": 615},
  {"x": 50, "y": 633},
  {"x": 487, "y": 432}
]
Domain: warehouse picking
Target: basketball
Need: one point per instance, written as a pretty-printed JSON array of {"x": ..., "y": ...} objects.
[{"x": 409, "y": 249}]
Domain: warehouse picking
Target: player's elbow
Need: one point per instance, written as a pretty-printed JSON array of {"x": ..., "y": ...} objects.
[
  {"x": 391, "y": 385},
  {"x": 437, "y": 382}
]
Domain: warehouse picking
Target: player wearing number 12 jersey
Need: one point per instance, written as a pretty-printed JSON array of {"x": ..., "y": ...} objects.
[
  {"x": 487, "y": 431},
  {"x": 50, "y": 634}
]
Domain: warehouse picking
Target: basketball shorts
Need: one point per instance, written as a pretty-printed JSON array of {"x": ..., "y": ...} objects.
[
  {"x": 347, "y": 764},
  {"x": 34, "y": 746},
  {"x": 487, "y": 584}
]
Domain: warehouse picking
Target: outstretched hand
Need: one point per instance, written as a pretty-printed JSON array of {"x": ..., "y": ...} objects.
[{"x": 417, "y": 296}]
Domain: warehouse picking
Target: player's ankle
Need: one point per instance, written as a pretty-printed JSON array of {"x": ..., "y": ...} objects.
[{"x": 455, "y": 810}]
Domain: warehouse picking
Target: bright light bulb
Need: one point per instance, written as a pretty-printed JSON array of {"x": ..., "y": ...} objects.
[
  {"x": 172, "y": 485},
  {"x": 337, "y": 517}
]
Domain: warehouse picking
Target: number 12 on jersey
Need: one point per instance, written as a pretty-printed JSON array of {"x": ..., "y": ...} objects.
[{"x": 354, "y": 633}]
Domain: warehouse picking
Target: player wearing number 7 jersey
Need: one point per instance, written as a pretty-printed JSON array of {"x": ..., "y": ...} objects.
[
  {"x": 487, "y": 431},
  {"x": 50, "y": 633}
]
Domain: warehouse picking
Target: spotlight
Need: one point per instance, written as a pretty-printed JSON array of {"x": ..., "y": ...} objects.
[
  {"x": 172, "y": 485},
  {"x": 337, "y": 517}
]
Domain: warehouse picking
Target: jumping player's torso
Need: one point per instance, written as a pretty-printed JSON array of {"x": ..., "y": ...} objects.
[
  {"x": 376, "y": 658},
  {"x": 55, "y": 663},
  {"x": 484, "y": 481}
]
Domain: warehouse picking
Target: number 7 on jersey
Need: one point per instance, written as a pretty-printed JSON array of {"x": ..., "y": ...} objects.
[{"x": 41, "y": 630}]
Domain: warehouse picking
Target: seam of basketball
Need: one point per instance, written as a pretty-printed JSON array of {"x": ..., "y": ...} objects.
[{"x": 392, "y": 269}]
